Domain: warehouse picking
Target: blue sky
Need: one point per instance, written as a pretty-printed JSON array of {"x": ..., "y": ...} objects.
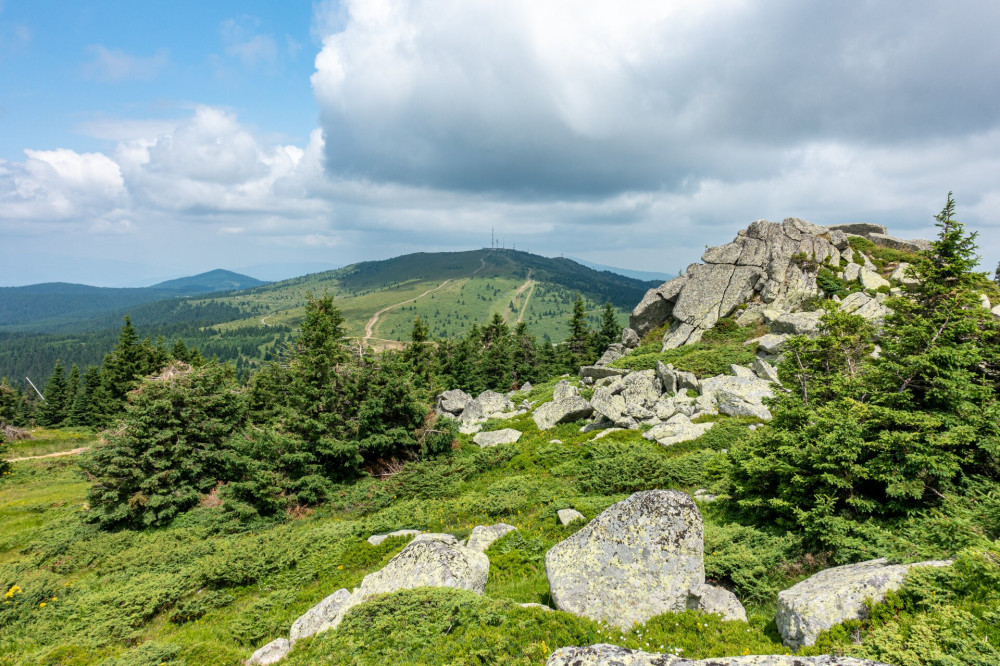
[{"x": 143, "y": 141}]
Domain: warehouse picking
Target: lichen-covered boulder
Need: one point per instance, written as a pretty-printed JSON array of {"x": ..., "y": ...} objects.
[
  {"x": 430, "y": 560},
  {"x": 487, "y": 405},
  {"x": 494, "y": 437},
  {"x": 834, "y": 595},
  {"x": 712, "y": 599},
  {"x": 639, "y": 558},
  {"x": 863, "y": 305},
  {"x": 656, "y": 306},
  {"x": 327, "y": 614},
  {"x": 630, "y": 339},
  {"x": 564, "y": 390},
  {"x": 453, "y": 402},
  {"x": 614, "y": 352},
  {"x": 611, "y": 655},
  {"x": 271, "y": 653},
  {"x": 596, "y": 372},
  {"x": 797, "y": 323},
  {"x": 871, "y": 280},
  {"x": 772, "y": 343},
  {"x": 561, "y": 411},
  {"x": 740, "y": 396},
  {"x": 673, "y": 380},
  {"x": 483, "y": 536}
]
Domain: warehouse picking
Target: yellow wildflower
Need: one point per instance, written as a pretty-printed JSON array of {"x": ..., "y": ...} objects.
[
  {"x": 11, "y": 592},
  {"x": 41, "y": 605}
]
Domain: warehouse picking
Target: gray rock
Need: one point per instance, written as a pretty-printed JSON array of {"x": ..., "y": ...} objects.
[
  {"x": 702, "y": 495},
  {"x": 656, "y": 306},
  {"x": 561, "y": 411},
  {"x": 630, "y": 338},
  {"x": 885, "y": 240},
  {"x": 453, "y": 401},
  {"x": 271, "y": 653},
  {"x": 327, "y": 614},
  {"x": 859, "y": 228},
  {"x": 377, "y": 539},
  {"x": 872, "y": 280},
  {"x": 673, "y": 380},
  {"x": 771, "y": 343},
  {"x": 430, "y": 560},
  {"x": 487, "y": 405},
  {"x": 470, "y": 428},
  {"x": 996, "y": 311},
  {"x": 606, "y": 432},
  {"x": 984, "y": 300},
  {"x": 737, "y": 396},
  {"x": 863, "y": 305},
  {"x": 742, "y": 371},
  {"x": 676, "y": 430},
  {"x": 603, "y": 654},
  {"x": 612, "y": 354},
  {"x": 712, "y": 599},
  {"x": 534, "y": 605},
  {"x": 797, "y": 323},
  {"x": 714, "y": 291},
  {"x": 639, "y": 558},
  {"x": 564, "y": 390},
  {"x": 483, "y": 536},
  {"x": 840, "y": 239},
  {"x": 901, "y": 276},
  {"x": 834, "y": 595},
  {"x": 597, "y": 372},
  {"x": 766, "y": 371},
  {"x": 494, "y": 437},
  {"x": 600, "y": 424},
  {"x": 567, "y": 516},
  {"x": 680, "y": 334}
]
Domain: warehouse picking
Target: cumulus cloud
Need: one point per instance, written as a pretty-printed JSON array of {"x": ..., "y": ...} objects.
[{"x": 115, "y": 66}]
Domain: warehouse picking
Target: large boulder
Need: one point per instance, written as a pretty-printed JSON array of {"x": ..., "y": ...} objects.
[
  {"x": 772, "y": 343},
  {"x": 494, "y": 437},
  {"x": 596, "y": 372},
  {"x": 677, "y": 429},
  {"x": 614, "y": 352},
  {"x": 797, "y": 323},
  {"x": 739, "y": 396},
  {"x": 603, "y": 654},
  {"x": 673, "y": 380},
  {"x": 637, "y": 559},
  {"x": 453, "y": 402},
  {"x": 430, "y": 560},
  {"x": 630, "y": 338},
  {"x": 483, "y": 536},
  {"x": 863, "y": 305},
  {"x": 871, "y": 280},
  {"x": 271, "y": 653},
  {"x": 327, "y": 614},
  {"x": 561, "y": 411},
  {"x": 487, "y": 405},
  {"x": 914, "y": 246},
  {"x": 834, "y": 595},
  {"x": 859, "y": 228}
]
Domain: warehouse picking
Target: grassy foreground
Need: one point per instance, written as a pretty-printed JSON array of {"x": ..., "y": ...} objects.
[{"x": 206, "y": 590}]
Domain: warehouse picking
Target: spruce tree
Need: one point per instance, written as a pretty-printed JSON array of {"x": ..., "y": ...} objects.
[
  {"x": 579, "y": 333},
  {"x": 609, "y": 333},
  {"x": 52, "y": 411}
]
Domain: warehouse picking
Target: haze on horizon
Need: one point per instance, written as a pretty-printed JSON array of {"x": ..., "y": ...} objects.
[{"x": 145, "y": 142}]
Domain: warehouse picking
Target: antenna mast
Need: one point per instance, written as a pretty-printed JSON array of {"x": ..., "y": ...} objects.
[{"x": 36, "y": 389}]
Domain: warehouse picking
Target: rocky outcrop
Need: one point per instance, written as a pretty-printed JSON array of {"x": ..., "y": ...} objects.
[
  {"x": 637, "y": 559},
  {"x": 271, "y": 653},
  {"x": 494, "y": 437},
  {"x": 612, "y": 655},
  {"x": 486, "y": 406},
  {"x": 483, "y": 536},
  {"x": 835, "y": 595},
  {"x": 569, "y": 409},
  {"x": 677, "y": 429},
  {"x": 656, "y": 306},
  {"x": 453, "y": 402},
  {"x": 739, "y": 396},
  {"x": 885, "y": 240}
]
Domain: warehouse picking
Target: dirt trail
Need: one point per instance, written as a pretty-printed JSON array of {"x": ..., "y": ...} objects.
[
  {"x": 520, "y": 290},
  {"x": 57, "y": 454},
  {"x": 373, "y": 322}
]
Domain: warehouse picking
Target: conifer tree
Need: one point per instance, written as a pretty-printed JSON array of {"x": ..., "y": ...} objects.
[
  {"x": 83, "y": 412},
  {"x": 609, "y": 332},
  {"x": 579, "y": 333},
  {"x": 52, "y": 411}
]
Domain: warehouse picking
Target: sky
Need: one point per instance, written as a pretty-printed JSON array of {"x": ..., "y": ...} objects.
[{"x": 141, "y": 141}]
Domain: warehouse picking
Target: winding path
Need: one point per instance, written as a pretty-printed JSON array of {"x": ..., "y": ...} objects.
[
  {"x": 373, "y": 322},
  {"x": 57, "y": 454}
]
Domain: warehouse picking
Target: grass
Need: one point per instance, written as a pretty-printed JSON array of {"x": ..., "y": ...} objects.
[
  {"x": 44, "y": 441},
  {"x": 719, "y": 348}
]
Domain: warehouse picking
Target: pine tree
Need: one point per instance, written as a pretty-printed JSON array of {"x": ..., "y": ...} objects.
[
  {"x": 84, "y": 413},
  {"x": 10, "y": 402},
  {"x": 52, "y": 411},
  {"x": 609, "y": 333},
  {"x": 419, "y": 353},
  {"x": 579, "y": 332}
]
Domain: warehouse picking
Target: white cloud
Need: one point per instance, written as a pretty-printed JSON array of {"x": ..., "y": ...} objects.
[
  {"x": 242, "y": 41},
  {"x": 115, "y": 66}
]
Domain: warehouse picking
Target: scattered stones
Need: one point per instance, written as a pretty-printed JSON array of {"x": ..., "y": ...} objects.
[
  {"x": 673, "y": 380},
  {"x": 567, "y": 516},
  {"x": 639, "y": 558},
  {"x": 712, "y": 599},
  {"x": 834, "y": 595},
  {"x": 327, "y": 614},
  {"x": 377, "y": 539},
  {"x": 487, "y": 405},
  {"x": 561, "y": 411},
  {"x": 483, "y": 536},
  {"x": 494, "y": 437},
  {"x": 271, "y": 653}
]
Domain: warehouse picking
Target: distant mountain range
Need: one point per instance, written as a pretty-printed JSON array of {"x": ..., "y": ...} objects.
[
  {"x": 638, "y": 275},
  {"x": 48, "y": 306}
]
